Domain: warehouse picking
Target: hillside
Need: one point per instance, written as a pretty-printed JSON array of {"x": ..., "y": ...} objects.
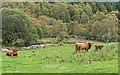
[{"x": 96, "y": 21}]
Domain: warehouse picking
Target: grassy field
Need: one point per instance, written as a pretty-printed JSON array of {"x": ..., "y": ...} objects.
[{"x": 62, "y": 59}]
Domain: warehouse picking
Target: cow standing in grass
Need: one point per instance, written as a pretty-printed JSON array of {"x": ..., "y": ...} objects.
[
  {"x": 83, "y": 46},
  {"x": 98, "y": 47}
]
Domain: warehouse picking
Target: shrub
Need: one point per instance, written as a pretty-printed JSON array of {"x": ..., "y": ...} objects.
[
  {"x": 17, "y": 25},
  {"x": 19, "y": 43},
  {"x": 60, "y": 43}
]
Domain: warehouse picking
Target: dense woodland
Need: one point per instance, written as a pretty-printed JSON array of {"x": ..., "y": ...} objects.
[{"x": 29, "y": 22}]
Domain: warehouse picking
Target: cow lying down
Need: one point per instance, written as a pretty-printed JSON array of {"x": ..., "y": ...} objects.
[{"x": 13, "y": 52}]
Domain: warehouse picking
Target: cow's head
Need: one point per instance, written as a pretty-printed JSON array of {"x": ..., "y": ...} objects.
[{"x": 90, "y": 44}]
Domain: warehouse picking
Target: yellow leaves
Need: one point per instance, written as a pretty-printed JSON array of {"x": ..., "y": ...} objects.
[
  {"x": 113, "y": 18},
  {"x": 79, "y": 28},
  {"x": 58, "y": 27},
  {"x": 100, "y": 15},
  {"x": 43, "y": 18}
]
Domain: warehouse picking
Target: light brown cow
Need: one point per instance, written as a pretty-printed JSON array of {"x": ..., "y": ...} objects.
[
  {"x": 83, "y": 46},
  {"x": 13, "y": 52}
]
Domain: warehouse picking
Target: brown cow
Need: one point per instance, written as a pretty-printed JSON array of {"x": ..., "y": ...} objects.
[
  {"x": 13, "y": 52},
  {"x": 83, "y": 46},
  {"x": 98, "y": 47}
]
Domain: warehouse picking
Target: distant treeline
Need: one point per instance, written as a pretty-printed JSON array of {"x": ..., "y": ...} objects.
[{"x": 32, "y": 21}]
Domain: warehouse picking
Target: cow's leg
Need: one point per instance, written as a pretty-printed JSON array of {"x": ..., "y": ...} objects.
[
  {"x": 11, "y": 55},
  {"x": 86, "y": 50},
  {"x": 79, "y": 50},
  {"x": 76, "y": 48}
]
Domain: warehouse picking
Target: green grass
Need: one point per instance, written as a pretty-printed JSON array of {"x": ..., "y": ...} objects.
[{"x": 62, "y": 59}]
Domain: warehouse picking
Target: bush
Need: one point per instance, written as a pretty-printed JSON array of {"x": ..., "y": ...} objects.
[
  {"x": 19, "y": 43},
  {"x": 16, "y": 25},
  {"x": 60, "y": 43}
]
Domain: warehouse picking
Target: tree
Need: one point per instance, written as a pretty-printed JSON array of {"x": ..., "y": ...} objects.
[
  {"x": 59, "y": 30},
  {"x": 103, "y": 9},
  {"x": 84, "y": 18},
  {"x": 110, "y": 24},
  {"x": 95, "y": 29},
  {"x": 88, "y": 10},
  {"x": 109, "y": 7},
  {"x": 105, "y": 26},
  {"x": 118, "y": 6},
  {"x": 58, "y": 27},
  {"x": 44, "y": 11},
  {"x": 9, "y": 4},
  {"x": 72, "y": 18},
  {"x": 98, "y": 16},
  {"x": 16, "y": 25},
  {"x": 94, "y": 7},
  {"x": 40, "y": 32},
  {"x": 118, "y": 15},
  {"x": 61, "y": 36},
  {"x": 70, "y": 28},
  {"x": 76, "y": 28},
  {"x": 71, "y": 10},
  {"x": 64, "y": 16},
  {"x": 76, "y": 18}
]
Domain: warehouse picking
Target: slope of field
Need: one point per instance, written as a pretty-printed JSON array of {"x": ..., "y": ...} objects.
[{"x": 62, "y": 59}]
